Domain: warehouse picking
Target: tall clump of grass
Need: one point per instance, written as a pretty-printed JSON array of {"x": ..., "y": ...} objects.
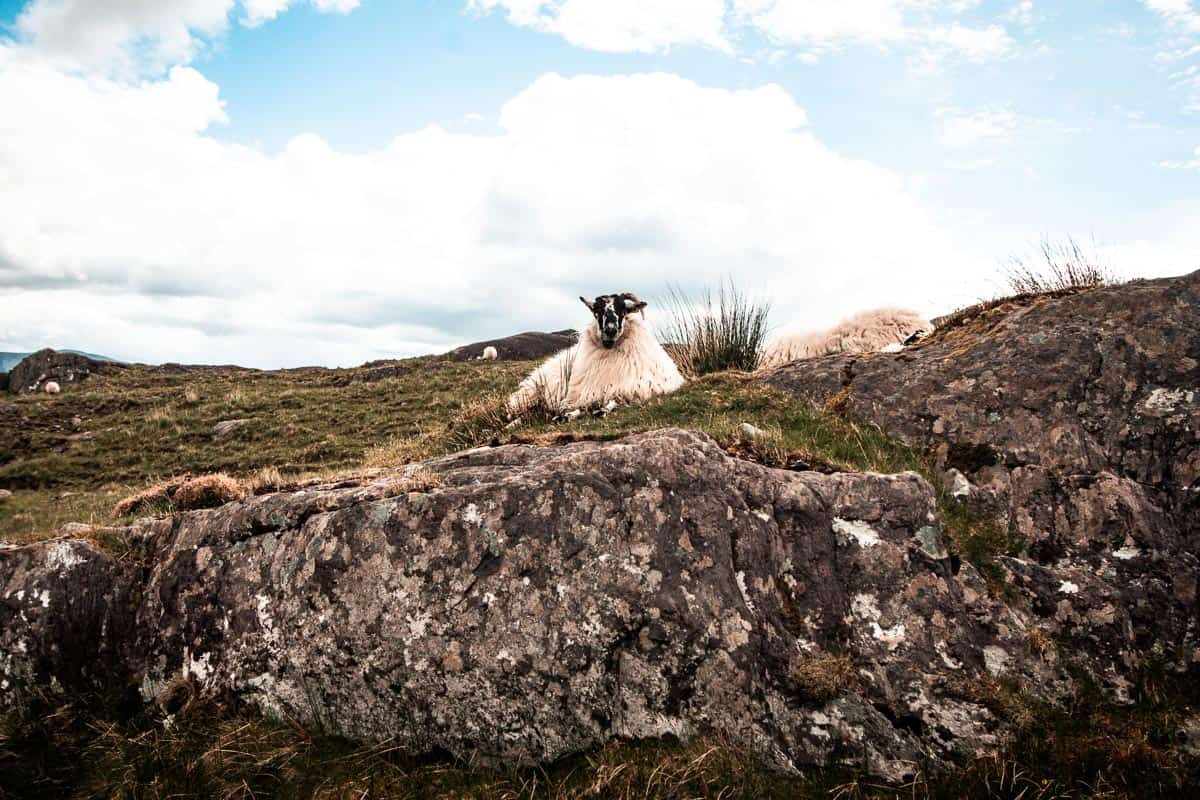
[
  {"x": 706, "y": 336},
  {"x": 1057, "y": 267}
]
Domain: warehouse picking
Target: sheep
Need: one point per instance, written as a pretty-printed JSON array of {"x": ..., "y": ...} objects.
[
  {"x": 52, "y": 387},
  {"x": 617, "y": 359},
  {"x": 489, "y": 354},
  {"x": 880, "y": 329}
]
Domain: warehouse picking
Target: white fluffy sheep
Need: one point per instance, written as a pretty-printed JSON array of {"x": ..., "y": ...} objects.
[
  {"x": 617, "y": 358},
  {"x": 51, "y": 387},
  {"x": 865, "y": 332},
  {"x": 490, "y": 354}
]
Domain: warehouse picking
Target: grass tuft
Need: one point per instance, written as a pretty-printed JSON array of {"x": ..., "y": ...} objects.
[
  {"x": 1057, "y": 267},
  {"x": 706, "y": 337},
  {"x": 821, "y": 677},
  {"x": 182, "y": 493}
]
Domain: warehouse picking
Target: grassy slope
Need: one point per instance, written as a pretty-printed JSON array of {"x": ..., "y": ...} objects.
[
  {"x": 147, "y": 424},
  {"x": 141, "y": 424}
]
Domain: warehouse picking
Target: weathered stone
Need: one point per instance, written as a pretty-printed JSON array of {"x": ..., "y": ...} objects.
[
  {"x": 1076, "y": 421},
  {"x": 545, "y": 600},
  {"x": 66, "y": 615},
  {"x": 529, "y": 346},
  {"x": 33, "y": 372}
]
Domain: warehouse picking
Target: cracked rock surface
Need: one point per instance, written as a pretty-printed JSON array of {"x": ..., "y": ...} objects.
[
  {"x": 1076, "y": 421},
  {"x": 541, "y": 602}
]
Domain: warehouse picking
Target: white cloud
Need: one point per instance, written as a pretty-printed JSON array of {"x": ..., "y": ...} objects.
[
  {"x": 127, "y": 37},
  {"x": 126, "y": 228},
  {"x": 260, "y": 11},
  {"x": 122, "y": 34},
  {"x": 1182, "y": 14},
  {"x": 1190, "y": 165},
  {"x": 620, "y": 26},
  {"x": 1022, "y": 13},
  {"x": 825, "y": 24},
  {"x": 813, "y": 26},
  {"x": 964, "y": 130},
  {"x": 977, "y": 45}
]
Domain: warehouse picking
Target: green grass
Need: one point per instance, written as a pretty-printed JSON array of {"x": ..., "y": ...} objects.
[
  {"x": 709, "y": 336},
  {"x": 140, "y": 425}
]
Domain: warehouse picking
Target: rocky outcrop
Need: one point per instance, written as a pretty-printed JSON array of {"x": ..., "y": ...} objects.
[
  {"x": 1076, "y": 421},
  {"x": 44, "y": 366},
  {"x": 531, "y": 346},
  {"x": 533, "y": 602}
]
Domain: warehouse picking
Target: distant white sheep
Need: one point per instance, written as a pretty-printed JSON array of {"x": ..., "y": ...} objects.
[
  {"x": 617, "y": 358},
  {"x": 881, "y": 329},
  {"x": 490, "y": 354},
  {"x": 51, "y": 387}
]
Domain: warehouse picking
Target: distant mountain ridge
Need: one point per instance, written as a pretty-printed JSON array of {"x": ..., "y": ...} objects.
[{"x": 10, "y": 360}]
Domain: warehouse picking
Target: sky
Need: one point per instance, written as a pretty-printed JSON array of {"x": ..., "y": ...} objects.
[{"x": 280, "y": 183}]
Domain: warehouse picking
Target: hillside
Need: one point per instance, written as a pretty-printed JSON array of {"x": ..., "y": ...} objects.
[
  {"x": 10, "y": 360},
  {"x": 996, "y": 597}
]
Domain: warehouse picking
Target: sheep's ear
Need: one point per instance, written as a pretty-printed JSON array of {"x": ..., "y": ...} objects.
[
  {"x": 586, "y": 302},
  {"x": 634, "y": 305}
]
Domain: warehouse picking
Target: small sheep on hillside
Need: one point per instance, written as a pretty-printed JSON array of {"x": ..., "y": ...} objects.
[
  {"x": 489, "y": 354},
  {"x": 881, "y": 329},
  {"x": 52, "y": 387},
  {"x": 617, "y": 358}
]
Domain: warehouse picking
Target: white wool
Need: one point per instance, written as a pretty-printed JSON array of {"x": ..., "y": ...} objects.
[
  {"x": 588, "y": 375},
  {"x": 865, "y": 332},
  {"x": 490, "y": 354},
  {"x": 52, "y": 387}
]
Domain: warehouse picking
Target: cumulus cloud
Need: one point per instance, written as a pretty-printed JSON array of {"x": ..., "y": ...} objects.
[
  {"x": 126, "y": 37},
  {"x": 619, "y": 26},
  {"x": 127, "y": 228},
  {"x": 931, "y": 27}
]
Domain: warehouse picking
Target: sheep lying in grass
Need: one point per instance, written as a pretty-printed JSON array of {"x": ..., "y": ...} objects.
[
  {"x": 52, "y": 387},
  {"x": 617, "y": 359},
  {"x": 881, "y": 329}
]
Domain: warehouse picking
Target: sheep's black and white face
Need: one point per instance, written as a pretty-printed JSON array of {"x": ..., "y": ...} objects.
[{"x": 610, "y": 311}]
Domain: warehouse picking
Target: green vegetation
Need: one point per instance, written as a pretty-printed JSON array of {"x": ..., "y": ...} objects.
[
  {"x": 141, "y": 425},
  {"x": 709, "y": 337}
]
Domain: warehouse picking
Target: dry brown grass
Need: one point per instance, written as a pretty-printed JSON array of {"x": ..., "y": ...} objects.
[
  {"x": 157, "y": 494},
  {"x": 839, "y": 404},
  {"x": 1058, "y": 267},
  {"x": 182, "y": 493},
  {"x": 207, "y": 491},
  {"x": 822, "y": 677}
]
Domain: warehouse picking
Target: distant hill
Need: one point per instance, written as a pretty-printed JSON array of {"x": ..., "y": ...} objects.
[{"x": 10, "y": 360}]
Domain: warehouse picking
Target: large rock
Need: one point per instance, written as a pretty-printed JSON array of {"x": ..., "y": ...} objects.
[
  {"x": 530, "y": 346},
  {"x": 541, "y": 601},
  {"x": 37, "y": 369},
  {"x": 1077, "y": 421}
]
